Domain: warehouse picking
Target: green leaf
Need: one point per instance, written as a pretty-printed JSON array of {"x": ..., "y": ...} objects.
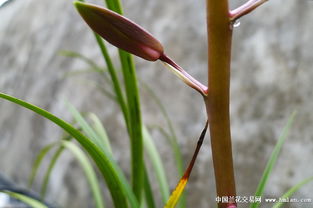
[
  {"x": 273, "y": 158},
  {"x": 93, "y": 66},
  {"x": 182, "y": 201},
  {"x": 157, "y": 164},
  {"x": 115, "y": 81},
  {"x": 171, "y": 137},
  {"x": 27, "y": 200},
  {"x": 79, "y": 72},
  {"x": 53, "y": 161},
  {"x": 43, "y": 152},
  {"x": 135, "y": 123},
  {"x": 115, "y": 180},
  {"x": 148, "y": 191},
  {"x": 89, "y": 61},
  {"x": 89, "y": 172},
  {"x": 292, "y": 190},
  {"x": 101, "y": 132},
  {"x": 47, "y": 175},
  {"x": 87, "y": 129}
]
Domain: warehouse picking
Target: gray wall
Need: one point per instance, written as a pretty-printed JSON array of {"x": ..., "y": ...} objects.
[{"x": 271, "y": 77}]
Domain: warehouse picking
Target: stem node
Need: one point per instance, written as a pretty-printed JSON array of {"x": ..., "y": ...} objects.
[{"x": 244, "y": 9}]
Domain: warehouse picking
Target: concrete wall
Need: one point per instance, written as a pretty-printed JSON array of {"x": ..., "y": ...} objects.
[{"x": 271, "y": 77}]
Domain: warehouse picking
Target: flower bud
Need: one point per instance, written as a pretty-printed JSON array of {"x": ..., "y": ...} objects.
[{"x": 120, "y": 31}]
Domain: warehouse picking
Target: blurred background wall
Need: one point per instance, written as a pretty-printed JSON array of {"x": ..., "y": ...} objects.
[{"x": 271, "y": 77}]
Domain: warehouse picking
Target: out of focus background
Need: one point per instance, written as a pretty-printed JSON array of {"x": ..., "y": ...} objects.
[{"x": 271, "y": 77}]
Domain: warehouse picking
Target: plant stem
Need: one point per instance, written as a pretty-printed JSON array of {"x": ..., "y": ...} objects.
[
  {"x": 217, "y": 102},
  {"x": 245, "y": 9}
]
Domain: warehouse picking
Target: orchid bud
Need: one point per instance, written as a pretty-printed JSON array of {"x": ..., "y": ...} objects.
[{"x": 120, "y": 31}]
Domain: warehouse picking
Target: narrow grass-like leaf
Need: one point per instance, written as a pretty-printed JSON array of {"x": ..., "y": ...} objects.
[
  {"x": 89, "y": 172},
  {"x": 273, "y": 158},
  {"x": 113, "y": 176},
  {"x": 93, "y": 66},
  {"x": 291, "y": 191},
  {"x": 178, "y": 191},
  {"x": 102, "y": 89},
  {"x": 177, "y": 155},
  {"x": 157, "y": 164},
  {"x": 79, "y": 72},
  {"x": 101, "y": 132},
  {"x": 172, "y": 138},
  {"x": 148, "y": 191},
  {"x": 47, "y": 175},
  {"x": 27, "y": 200},
  {"x": 135, "y": 130},
  {"x": 43, "y": 152},
  {"x": 51, "y": 165},
  {"x": 115, "y": 81},
  {"x": 85, "y": 126},
  {"x": 87, "y": 60}
]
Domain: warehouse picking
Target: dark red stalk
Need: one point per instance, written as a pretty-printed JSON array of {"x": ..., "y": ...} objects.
[{"x": 195, "y": 154}]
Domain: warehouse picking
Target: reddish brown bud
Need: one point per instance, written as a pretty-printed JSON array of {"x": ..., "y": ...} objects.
[{"x": 120, "y": 31}]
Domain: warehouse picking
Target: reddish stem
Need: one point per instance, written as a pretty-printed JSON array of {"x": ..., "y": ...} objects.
[
  {"x": 245, "y": 9},
  {"x": 187, "y": 78}
]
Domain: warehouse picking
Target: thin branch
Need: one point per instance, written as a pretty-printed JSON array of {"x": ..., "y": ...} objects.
[
  {"x": 184, "y": 76},
  {"x": 244, "y": 9}
]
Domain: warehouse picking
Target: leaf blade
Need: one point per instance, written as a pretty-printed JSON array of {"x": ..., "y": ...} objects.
[
  {"x": 292, "y": 190},
  {"x": 44, "y": 151},
  {"x": 116, "y": 182},
  {"x": 273, "y": 158},
  {"x": 157, "y": 164},
  {"x": 27, "y": 200},
  {"x": 89, "y": 172}
]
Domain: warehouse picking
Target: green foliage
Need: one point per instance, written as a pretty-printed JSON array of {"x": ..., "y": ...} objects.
[
  {"x": 90, "y": 62},
  {"x": 115, "y": 179},
  {"x": 292, "y": 190},
  {"x": 89, "y": 172},
  {"x": 148, "y": 191},
  {"x": 38, "y": 161},
  {"x": 157, "y": 164},
  {"x": 273, "y": 158},
  {"x": 87, "y": 129},
  {"x": 100, "y": 132},
  {"x": 27, "y": 200},
  {"x": 48, "y": 172}
]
